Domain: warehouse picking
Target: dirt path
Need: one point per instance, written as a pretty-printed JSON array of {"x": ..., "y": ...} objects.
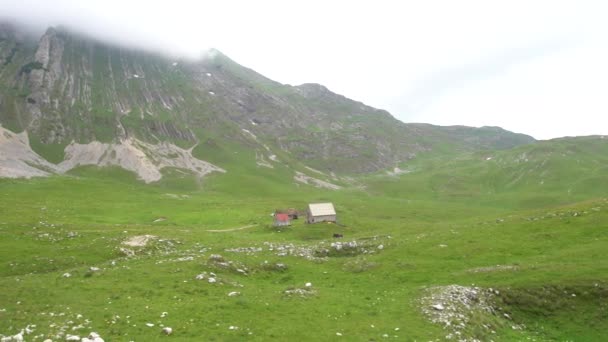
[{"x": 232, "y": 229}]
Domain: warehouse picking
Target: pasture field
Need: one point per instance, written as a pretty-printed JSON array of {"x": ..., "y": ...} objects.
[{"x": 65, "y": 267}]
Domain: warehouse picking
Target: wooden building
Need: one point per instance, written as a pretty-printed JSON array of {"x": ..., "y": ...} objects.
[
  {"x": 291, "y": 212},
  {"x": 281, "y": 220},
  {"x": 321, "y": 212}
]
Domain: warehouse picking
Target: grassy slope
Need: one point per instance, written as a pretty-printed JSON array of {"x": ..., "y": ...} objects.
[
  {"x": 556, "y": 247},
  {"x": 532, "y": 176}
]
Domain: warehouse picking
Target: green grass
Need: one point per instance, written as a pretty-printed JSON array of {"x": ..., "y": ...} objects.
[
  {"x": 51, "y": 152},
  {"x": 69, "y": 223},
  {"x": 539, "y": 210}
]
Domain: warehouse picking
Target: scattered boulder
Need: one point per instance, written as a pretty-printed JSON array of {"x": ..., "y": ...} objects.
[
  {"x": 167, "y": 330},
  {"x": 307, "y": 291},
  {"x": 126, "y": 252},
  {"x": 15, "y": 338},
  {"x": 273, "y": 267},
  {"x": 216, "y": 258},
  {"x": 139, "y": 240},
  {"x": 18, "y": 337},
  {"x": 460, "y": 310},
  {"x": 438, "y": 307},
  {"x": 93, "y": 337}
]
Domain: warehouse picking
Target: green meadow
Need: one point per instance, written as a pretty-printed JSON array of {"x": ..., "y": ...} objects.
[{"x": 467, "y": 222}]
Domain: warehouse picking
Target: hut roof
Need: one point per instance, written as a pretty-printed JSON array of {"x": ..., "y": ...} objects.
[
  {"x": 321, "y": 209},
  {"x": 281, "y": 217}
]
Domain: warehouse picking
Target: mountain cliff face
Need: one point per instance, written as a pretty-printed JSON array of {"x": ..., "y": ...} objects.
[{"x": 66, "y": 92}]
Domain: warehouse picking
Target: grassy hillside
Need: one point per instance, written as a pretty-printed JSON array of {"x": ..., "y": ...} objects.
[
  {"x": 543, "y": 255},
  {"x": 475, "y": 235},
  {"x": 547, "y": 173}
]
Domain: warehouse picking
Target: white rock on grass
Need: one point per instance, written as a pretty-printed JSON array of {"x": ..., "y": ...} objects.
[
  {"x": 216, "y": 257},
  {"x": 29, "y": 329},
  {"x": 18, "y": 337},
  {"x": 150, "y": 324},
  {"x": 69, "y": 337},
  {"x": 93, "y": 337},
  {"x": 211, "y": 280},
  {"x": 234, "y": 294},
  {"x": 167, "y": 331},
  {"x": 438, "y": 307},
  {"x": 454, "y": 307},
  {"x": 66, "y": 275},
  {"x": 308, "y": 284},
  {"x": 164, "y": 314},
  {"x": 93, "y": 269}
]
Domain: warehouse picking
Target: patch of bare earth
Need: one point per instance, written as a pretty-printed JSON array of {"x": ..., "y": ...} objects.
[
  {"x": 305, "y": 179},
  {"x": 18, "y": 160},
  {"x": 146, "y": 160}
]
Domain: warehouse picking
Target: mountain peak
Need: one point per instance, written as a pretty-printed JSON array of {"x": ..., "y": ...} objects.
[{"x": 73, "y": 90}]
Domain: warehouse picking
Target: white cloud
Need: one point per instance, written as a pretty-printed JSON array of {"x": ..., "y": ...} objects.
[
  {"x": 557, "y": 95},
  {"x": 529, "y": 66}
]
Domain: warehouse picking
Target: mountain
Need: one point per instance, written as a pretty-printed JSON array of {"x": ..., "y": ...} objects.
[{"x": 81, "y": 102}]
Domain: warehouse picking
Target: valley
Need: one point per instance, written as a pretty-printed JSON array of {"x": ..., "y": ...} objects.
[
  {"x": 546, "y": 259},
  {"x": 137, "y": 193}
]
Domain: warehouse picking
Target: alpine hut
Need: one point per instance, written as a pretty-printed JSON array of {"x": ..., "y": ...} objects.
[
  {"x": 321, "y": 212},
  {"x": 281, "y": 220}
]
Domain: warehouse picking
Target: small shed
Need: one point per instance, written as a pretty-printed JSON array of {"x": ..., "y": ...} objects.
[
  {"x": 281, "y": 220},
  {"x": 321, "y": 212},
  {"x": 291, "y": 212}
]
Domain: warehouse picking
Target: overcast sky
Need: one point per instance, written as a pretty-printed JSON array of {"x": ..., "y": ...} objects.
[{"x": 535, "y": 67}]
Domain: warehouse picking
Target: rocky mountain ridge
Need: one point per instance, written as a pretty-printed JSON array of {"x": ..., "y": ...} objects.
[{"x": 68, "y": 90}]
